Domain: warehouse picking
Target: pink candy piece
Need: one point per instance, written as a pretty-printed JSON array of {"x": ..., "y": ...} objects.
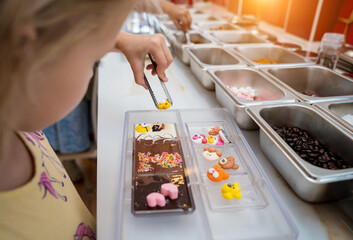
[
  {"x": 155, "y": 199},
  {"x": 220, "y": 141},
  {"x": 169, "y": 189},
  {"x": 195, "y": 137}
]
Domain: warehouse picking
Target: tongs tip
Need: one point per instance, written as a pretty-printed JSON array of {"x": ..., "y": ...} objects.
[{"x": 168, "y": 102}]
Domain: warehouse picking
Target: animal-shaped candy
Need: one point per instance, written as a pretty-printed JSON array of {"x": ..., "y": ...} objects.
[
  {"x": 212, "y": 139},
  {"x": 164, "y": 105},
  {"x": 142, "y": 128},
  {"x": 155, "y": 199},
  {"x": 169, "y": 190},
  {"x": 228, "y": 163},
  {"x": 214, "y": 131},
  {"x": 230, "y": 191},
  {"x": 217, "y": 174},
  {"x": 211, "y": 154},
  {"x": 156, "y": 127},
  {"x": 199, "y": 139}
]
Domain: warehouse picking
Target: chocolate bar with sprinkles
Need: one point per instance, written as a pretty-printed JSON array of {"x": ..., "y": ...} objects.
[{"x": 158, "y": 159}]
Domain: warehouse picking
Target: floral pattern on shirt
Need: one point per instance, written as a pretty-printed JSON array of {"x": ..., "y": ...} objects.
[{"x": 46, "y": 181}]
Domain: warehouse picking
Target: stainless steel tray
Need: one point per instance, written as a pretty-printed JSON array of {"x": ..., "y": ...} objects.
[
  {"x": 212, "y": 26},
  {"x": 179, "y": 43},
  {"x": 204, "y": 58},
  {"x": 326, "y": 84},
  {"x": 263, "y": 34},
  {"x": 246, "y": 23},
  {"x": 168, "y": 27},
  {"x": 237, "y": 38},
  {"x": 337, "y": 110},
  {"x": 204, "y": 18},
  {"x": 311, "y": 183},
  {"x": 282, "y": 56},
  {"x": 268, "y": 92}
]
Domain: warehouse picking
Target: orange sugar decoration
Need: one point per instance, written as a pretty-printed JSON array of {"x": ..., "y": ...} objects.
[{"x": 265, "y": 61}]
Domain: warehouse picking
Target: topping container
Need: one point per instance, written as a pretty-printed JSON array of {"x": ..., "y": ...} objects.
[
  {"x": 196, "y": 12},
  {"x": 204, "y": 58},
  {"x": 258, "y": 214},
  {"x": 216, "y": 26},
  {"x": 267, "y": 92},
  {"x": 265, "y": 35},
  {"x": 307, "y": 54},
  {"x": 311, "y": 183},
  {"x": 325, "y": 84},
  {"x": 169, "y": 27},
  {"x": 280, "y": 55},
  {"x": 337, "y": 110},
  {"x": 246, "y": 23},
  {"x": 290, "y": 46},
  {"x": 237, "y": 38},
  {"x": 179, "y": 43},
  {"x": 204, "y": 18}
]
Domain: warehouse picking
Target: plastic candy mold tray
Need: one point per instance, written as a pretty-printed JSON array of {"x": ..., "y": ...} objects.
[{"x": 258, "y": 214}]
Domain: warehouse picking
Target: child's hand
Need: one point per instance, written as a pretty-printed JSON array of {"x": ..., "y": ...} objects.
[
  {"x": 180, "y": 16},
  {"x": 136, "y": 47}
]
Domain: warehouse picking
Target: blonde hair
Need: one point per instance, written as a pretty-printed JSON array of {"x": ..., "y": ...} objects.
[{"x": 57, "y": 25}]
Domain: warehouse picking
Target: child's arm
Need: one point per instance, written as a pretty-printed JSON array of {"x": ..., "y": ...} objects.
[
  {"x": 180, "y": 16},
  {"x": 136, "y": 47}
]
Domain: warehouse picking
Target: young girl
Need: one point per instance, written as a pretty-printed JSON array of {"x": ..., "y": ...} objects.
[{"x": 48, "y": 48}]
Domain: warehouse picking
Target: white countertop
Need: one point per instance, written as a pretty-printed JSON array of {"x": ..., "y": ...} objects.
[{"x": 118, "y": 93}]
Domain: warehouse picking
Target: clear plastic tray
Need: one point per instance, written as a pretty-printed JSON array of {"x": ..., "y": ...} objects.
[{"x": 259, "y": 214}]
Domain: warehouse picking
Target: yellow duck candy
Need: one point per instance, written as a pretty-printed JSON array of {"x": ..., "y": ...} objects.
[
  {"x": 230, "y": 191},
  {"x": 142, "y": 128},
  {"x": 211, "y": 139},
  {"x": 164, "y": 105}
]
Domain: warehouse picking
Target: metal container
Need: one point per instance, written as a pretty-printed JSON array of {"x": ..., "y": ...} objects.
[
  {"x": 245, "y": 23},
  {"x": 195, "y": 12},
  {"x": 312, "y": 56},
  {"x": 311, "y": 183},
  {"x": 280, "y": 55},
  {"x": 204, "y": 17},
  {"x": 216, "y": 26},
  {"x": 267, "y": 92},
  {"x": 263, "y": 34},
  {"x": 170, "y": 26},
  {"x": 325, "y": 84},
  {"x": 180, "y": 44},
  {"x": 336, "y": 110},
  {"x": 204, "y": 58},
  {"x": 168, "y": 29},
  {"x": 236, "y": 38}
]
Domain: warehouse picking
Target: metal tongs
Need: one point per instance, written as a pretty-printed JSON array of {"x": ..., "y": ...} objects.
[{"x": 165, "y": 90}]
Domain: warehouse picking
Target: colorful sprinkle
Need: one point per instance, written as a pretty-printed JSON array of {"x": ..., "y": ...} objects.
[{"x": 164, "y": 160}]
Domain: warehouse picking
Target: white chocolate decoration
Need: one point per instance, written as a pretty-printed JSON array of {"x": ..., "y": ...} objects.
[{"x": 169, "y": 132}]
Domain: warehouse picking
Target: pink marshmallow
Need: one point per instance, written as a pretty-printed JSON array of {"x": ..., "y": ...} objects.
[
  {"x": 155, "y": 199},
  {"x": 169, "y": 189}
]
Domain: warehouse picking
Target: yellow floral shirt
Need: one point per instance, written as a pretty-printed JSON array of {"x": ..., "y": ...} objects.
[{"x": 47, "y": 207}]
